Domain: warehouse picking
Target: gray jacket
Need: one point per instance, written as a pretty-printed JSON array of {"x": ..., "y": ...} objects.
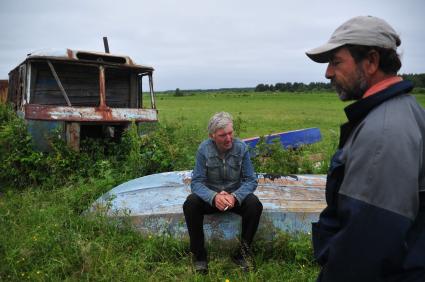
[{"x": 373, "y": 228}]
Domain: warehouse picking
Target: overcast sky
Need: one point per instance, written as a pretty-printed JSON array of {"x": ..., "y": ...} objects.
[{"x": 200, "y": 44}]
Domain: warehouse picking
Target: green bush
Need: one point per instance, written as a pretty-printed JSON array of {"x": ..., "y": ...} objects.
[
  {"x": 20, "y": 165},
  {"x": 170, "y": 147},
  {"x": 43, "y": 236},
  {"x": 167, "y": 148}
]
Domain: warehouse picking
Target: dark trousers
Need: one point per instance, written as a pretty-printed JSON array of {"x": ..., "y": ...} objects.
[{"x": 195, "y": 208}]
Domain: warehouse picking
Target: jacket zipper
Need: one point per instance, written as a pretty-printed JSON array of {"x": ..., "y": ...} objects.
[{"x": 224, "y": 168}]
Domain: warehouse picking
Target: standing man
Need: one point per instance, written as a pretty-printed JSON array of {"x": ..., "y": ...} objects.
[
  {"x": 223, "y": 180},
  {"x": 373, "y": 228}
]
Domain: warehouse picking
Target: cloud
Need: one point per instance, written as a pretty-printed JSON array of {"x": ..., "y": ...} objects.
[{"x": 202, "y": 44}]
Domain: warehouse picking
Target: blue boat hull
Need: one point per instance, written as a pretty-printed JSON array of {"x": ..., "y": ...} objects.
[
  {"x": 289, "y": 139},
  {"x": 154, "y": 205}
]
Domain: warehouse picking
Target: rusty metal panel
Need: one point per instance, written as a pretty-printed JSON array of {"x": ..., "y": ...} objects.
[
  {"x": 87, "y": 56},
  {"x": 40, "y": 130},
  {"x": 89, "y": 114},
  {"x": 3, "y": 91},
  {"x": 73, "y": 135},
  {"x": 102, "y": 93},
  {"x": 154, "y": 204},
  {"x": 13, "y": 88}
]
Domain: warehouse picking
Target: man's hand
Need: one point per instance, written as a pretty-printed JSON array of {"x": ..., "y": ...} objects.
[{"x": 224, "y": 201}]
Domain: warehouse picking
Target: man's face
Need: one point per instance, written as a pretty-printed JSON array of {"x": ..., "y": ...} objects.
[
  {"x": 348, "y": 77},
  {"x": 223, "y": 138}
]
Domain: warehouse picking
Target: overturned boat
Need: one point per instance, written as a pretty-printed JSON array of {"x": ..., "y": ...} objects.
[
  {"x": 289, "y": 139},
  {"x": 154, "y": 205}
]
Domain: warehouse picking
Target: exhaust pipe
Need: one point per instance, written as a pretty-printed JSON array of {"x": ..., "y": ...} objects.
[{"x": 105, "y": 43}]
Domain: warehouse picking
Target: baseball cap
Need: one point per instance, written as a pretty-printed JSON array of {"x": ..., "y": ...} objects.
[{"x": 362, "y": 30}]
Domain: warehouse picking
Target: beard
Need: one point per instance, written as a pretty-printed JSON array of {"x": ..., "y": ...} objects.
[{"x": 354, "y": 90}]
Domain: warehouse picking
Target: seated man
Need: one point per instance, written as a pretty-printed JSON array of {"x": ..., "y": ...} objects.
[{"x": 223, "y": 180}]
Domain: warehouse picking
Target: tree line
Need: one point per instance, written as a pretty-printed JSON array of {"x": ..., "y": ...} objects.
[
  {"x": 294, "y": 87},
  {"x": 417, "y": 79}
]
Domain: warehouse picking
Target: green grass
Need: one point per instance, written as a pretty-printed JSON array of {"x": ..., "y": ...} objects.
[
  {"x": 262, "y": 114},
  {"x": 421, "y": 99},
  {"x": 44, "y": 237}
]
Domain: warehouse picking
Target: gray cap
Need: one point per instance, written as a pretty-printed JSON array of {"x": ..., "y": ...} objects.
[{"x": 363, "y": 30}]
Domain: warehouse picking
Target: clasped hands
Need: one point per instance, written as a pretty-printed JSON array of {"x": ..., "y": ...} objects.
[{"x": 224, "y": 201}]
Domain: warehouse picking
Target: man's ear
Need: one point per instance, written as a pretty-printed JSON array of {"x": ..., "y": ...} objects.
[{"x": 372, "y": 62}]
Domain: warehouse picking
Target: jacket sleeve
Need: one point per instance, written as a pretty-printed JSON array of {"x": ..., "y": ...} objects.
[
  {"x": 199, "y": 178},
  {"x": 248, "y": 179}
]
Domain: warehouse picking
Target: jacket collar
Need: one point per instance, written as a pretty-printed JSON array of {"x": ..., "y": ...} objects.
[
  {"x": 213, "y": 152},
  {"x": 357, "y": 111}
]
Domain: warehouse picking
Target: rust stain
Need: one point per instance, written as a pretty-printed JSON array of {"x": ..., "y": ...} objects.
[
  {"x": 102, "y": 95},
  {"x": 281, "y": 181},
  {"x": 105, "y": 114},
  {"x": 187, "y": 180},
  {"x": 73, "y": 135},
  {"x": 69, "y": 53},
  {"x": 288, "y": 181},
  {"x": 3, "y": 91},
  {"x": 103, "y": 109}
]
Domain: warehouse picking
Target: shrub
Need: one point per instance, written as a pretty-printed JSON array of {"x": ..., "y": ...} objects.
[
  {"x": 20, "y": 165},
  {"x": 178, "y": 93},
  {"x": 274, "y": 159}
]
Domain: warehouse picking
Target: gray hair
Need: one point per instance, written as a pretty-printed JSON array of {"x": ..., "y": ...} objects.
[{"x": 219, "y": 121}]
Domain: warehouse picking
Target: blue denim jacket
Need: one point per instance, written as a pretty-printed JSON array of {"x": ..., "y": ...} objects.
[{"x": 233, "y": 174}]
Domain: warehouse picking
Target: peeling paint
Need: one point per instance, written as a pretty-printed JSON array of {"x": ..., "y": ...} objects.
[
  {"x": 95, "y": 89},
  {"x": 64, "y": 113},
  {"x": 3, "y": 91},
  {"x": 154, "y": 204}
]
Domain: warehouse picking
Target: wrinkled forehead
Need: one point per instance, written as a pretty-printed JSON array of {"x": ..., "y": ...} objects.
[{"x": 225, "y": 129}]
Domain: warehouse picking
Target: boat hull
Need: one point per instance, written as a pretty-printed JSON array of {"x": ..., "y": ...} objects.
[
  {"x": 289, "y": 139},
  {"x": 154, "y": 205}
]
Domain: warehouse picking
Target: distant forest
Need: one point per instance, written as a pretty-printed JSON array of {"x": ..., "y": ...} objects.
[{"x": 417, "y": 79}]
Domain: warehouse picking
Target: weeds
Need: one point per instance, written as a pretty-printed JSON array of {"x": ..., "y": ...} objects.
[
  {"x": 20, "y": 166},
  {"x": 165, "y": 149},
  {"x": 274, "y": 159},
  {"x": 43, "y": 236}
]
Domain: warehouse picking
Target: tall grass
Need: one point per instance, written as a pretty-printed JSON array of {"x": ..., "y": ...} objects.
[{"x": 44, "y": 237}]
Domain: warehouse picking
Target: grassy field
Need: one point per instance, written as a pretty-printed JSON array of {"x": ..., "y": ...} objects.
[
  {"x": 261, "y": 113},
  {"x": 44, "y": 237}
]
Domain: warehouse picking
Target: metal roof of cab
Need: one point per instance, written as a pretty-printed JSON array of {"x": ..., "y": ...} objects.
[{"x": 87, "y": 56}]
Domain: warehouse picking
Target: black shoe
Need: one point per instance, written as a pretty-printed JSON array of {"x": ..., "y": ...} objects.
[
  {"x": 244, "y": 258},
  {"x": 200, "y": 266}
]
